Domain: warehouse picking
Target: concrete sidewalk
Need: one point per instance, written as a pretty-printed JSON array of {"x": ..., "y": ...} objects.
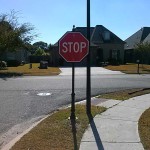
[{"x": 116, "y": 128}]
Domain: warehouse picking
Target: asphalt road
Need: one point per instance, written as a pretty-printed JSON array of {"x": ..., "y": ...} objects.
[{"x": 21, "y": 104}]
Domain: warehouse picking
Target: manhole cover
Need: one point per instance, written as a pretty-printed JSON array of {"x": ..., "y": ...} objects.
[{"x": 44, "y": 94}]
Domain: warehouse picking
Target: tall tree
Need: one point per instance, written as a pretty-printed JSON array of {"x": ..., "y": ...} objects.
[{"x": 12, "y": 34}]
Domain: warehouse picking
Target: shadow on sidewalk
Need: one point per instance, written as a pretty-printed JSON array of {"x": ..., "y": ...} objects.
[
  {"x": 74, "y": 131},
  {"x": 95, "y": 132}
]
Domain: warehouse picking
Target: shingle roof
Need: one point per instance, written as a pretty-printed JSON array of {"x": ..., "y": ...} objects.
[
  {"x": 138, "y": 37},
  {"x": 146, "y": 31},
  {"x": 147, "y": 39},
  {"x": 83, "y": 30},
  {"x": 97, "y": 35}
]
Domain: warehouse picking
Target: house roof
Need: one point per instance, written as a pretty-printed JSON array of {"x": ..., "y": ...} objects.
[
  {"x": 147, "y": 39},
  {"x": 99, "y": 35},
  {"x": 103, "y": 35},
  {"x": 83, "y": 30},
  {"x": 141, "y": 35}
]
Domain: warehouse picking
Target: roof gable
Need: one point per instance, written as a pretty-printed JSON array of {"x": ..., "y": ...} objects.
[
  {"x": 103, "y": 35},
  {"x": 147, "y": 39},
  {"x": 146, "y": 31},
  {"x": 137, "y": 37}
]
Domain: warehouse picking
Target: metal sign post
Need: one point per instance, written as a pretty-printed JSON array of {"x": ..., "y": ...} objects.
[
  {"x": 138, "y": 62},
  {"x": 72, "y": 116},
  {"x": 88, "y": 90},
  {"x": 73, "y": 95}
]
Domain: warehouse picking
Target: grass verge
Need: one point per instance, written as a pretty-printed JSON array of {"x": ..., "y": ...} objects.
[
  {"x": 57, "y": 132},
  {"x": 125, "y": 94},
  {"x": 34, "y": 71},
  {"x": 144, "y": 129},
  {"x": 131, "y": 68}
]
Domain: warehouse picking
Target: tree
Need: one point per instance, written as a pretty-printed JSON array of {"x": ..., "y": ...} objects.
[
  {"x": 14, "y": 35},
  {"x": 40, "y": 52},
  {"x": 142, "y": 51},
  {"x": 41, "y": 44}
]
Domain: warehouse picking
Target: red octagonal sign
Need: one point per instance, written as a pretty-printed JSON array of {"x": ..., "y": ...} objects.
[{"x": 73, "y": 47}]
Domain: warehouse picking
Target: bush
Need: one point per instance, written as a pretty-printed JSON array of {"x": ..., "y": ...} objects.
[
  {"x": 3, "y": 65},
  {"x": 13, "y": 63},
  {"x": 102, "y": 64},
  {"x": 23, "y": 63}
]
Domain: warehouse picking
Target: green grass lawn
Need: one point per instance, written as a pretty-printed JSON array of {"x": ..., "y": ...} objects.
[
  {"x": 131, "y": 68},
  {"x": 34, "y": 71}
]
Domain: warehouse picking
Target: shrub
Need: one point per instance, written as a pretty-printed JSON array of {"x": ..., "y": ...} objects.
[
  {"x": 13, "y": 63},
  {"x": 3, "y": 65},
  {"x": 114, "y": 62},
  {"x": 23, "y": 63}
]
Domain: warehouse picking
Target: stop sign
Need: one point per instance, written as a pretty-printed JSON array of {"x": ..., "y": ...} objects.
[{"x": 73, "y": 46}]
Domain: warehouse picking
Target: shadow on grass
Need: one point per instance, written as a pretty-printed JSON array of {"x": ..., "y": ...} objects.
[
  {"x": 74, "y": 131},
  {"x": 147, "y": 70},
  {"x": 95, "y": 132}
]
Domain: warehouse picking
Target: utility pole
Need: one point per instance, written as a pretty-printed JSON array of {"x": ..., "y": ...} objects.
[{"x": 88, "y": 90}]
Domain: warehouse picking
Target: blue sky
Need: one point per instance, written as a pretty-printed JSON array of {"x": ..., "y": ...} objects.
[{"x": 52, "y": 18}]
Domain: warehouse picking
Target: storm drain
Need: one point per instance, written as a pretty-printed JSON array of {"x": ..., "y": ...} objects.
[{"x": 44, "y": 94}]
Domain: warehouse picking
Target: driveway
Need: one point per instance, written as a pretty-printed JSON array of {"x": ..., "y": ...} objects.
[{"x": 82, "y": 71}]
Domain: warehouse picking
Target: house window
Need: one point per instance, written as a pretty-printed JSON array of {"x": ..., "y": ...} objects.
[
  {"x": 114, "y": 54},
  {"x": 106, "y": 36}
]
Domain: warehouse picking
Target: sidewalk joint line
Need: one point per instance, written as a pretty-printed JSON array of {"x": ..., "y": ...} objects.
[
  {"x": 115, "y": 118},
  {"x": 132, "y": 107},
  {"x": 122, "y": 142}
]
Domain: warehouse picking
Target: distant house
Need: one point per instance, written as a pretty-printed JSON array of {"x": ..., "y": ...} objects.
[
  {"x": 105, "y": 47},
  {"x": 141, "y": 36},
  {"x": 19, "y": 55}
]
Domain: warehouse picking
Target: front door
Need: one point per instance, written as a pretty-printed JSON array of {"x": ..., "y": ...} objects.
[{"x": 100, "y": 57}]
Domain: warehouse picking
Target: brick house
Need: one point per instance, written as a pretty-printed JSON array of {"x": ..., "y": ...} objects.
[
  {"x": 19, "y": 55},
  {"x": 105, "y": 47}
]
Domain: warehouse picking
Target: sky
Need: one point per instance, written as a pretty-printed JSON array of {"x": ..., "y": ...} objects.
[{"x": 52, "y": 18}]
